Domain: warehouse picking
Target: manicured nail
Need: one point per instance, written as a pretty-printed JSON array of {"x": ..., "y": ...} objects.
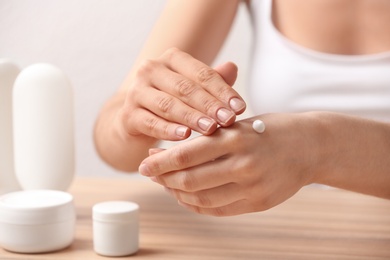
[
  {"x": 237, "y": 104},
  {"x": 182, "y": 131},
  {"x": 224, "y": 115},
  {"x": 205, "y": 123},
  {"x": 144, "y": 169}
]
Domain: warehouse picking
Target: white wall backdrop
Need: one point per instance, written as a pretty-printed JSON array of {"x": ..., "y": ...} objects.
[{"x": 95, "y": 43}]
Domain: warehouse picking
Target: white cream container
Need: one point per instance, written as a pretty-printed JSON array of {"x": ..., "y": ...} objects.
[
  {"x": 36, "y": 221},
  {"x": 115, "y": 228}
]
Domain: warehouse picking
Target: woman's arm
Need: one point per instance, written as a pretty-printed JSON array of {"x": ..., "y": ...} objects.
[
  {"x": 197, "y": 27},
  {"x": 354, "y": 154}
]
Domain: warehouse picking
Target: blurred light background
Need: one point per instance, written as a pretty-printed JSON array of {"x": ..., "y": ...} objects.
[{"x": 95, "y": 43}]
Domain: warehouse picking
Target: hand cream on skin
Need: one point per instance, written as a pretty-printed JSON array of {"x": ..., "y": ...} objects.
[
  {"x": 36, "y": 221},
  {"x": 43, "y": 128},
  {"x": 258, "y": 126}
]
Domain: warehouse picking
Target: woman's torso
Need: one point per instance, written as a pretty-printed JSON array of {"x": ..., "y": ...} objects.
[{"x": 322, "y": 55}]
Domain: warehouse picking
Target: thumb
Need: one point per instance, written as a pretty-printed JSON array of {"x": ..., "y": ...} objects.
[
  {"x": 155, "y": 150},
  {"x": 228, "y": 71}
]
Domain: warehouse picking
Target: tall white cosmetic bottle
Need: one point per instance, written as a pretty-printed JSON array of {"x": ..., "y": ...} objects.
[
  {"x": 43, "y": 128},
  {"x": 8, "y": 73}
]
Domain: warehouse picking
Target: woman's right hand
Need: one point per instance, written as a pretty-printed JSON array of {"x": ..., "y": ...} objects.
[{"x": 174, "y": 94}]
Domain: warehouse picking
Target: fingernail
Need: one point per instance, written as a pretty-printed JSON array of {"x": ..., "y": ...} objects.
[
  {"x": 205, "y": 123},
  {"x": 182, "y": 131},
  {"x": 237, "y": 104},
  {"x": 144, "y": 169},
  {"x": 224, "y": 115}
]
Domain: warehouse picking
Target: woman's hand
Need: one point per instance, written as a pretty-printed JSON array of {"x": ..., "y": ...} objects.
[
  {"x": 237, "y": 170},
  {"x": 174, "y": 94}
]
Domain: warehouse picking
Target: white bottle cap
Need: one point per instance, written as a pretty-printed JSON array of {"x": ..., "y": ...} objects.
[{"x": 114, "y": 211}]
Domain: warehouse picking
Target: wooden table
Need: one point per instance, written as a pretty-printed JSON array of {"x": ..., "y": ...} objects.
[{"x": 315, "y": 224}]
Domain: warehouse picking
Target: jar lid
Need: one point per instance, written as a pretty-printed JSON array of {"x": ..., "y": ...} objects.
[
  {"x": 32, "y": 207},
  {"x": 118, "y": 211}
]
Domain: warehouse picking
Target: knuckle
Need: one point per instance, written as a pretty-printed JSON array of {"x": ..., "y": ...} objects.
[
  {"x": 236, "y": 138},
  {"x": 188, "y": 117},
  {"x": 153, "y": 166},
  {"x": 165, "y": 104},
  {"x": 128, "y": 129},
  {"x": 171, "y": 52},
  {"x": 163, "y": 130},
  {"x": 124, "y": 114},
  {"x": 160, "y": 180},
  {"x": 210, "y": 104},
  {"x": 218, "y": 212},
  {"x": 202, "y": 200},
  {"x": 166, "y": 129},
  {"x": 185, "y": 87},
  {"x": 146, "y": 68},
  {"x": 187, "y": 182},
  {"x": 180, "y": 158},
  {"x": 151, "y": 124},
  {"x": 155, "y": 127},
  {"x": 224, "y": 92},
  {"x": 205, "y": 75},
  {"x": 196, "y": 209}
]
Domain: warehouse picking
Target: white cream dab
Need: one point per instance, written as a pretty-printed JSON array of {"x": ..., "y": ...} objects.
[{"x": 258, "y": 126}]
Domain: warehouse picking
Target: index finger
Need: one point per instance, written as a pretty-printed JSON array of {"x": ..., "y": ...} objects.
[
  {"x": 182, "y": 156},
  {"x": 206, "y": 76}
]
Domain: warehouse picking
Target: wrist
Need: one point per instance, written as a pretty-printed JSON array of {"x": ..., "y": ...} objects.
[
  {"x": 352, "y": 153},
  {"x": 307, "y": 137},
  {"x": 322, "y": 146}
]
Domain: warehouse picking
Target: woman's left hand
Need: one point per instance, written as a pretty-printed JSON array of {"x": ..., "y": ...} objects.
[{"x": 237, "y": 170}]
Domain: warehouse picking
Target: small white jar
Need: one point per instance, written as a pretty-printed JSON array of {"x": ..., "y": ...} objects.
[
  {"x": 36, "y": 221},
  {"x": 115, "y": 228}
]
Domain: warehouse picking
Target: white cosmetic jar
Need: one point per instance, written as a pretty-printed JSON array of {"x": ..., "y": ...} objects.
[
  {"x": 36, "y": 221},
  {"x": 115, "y": 228}
]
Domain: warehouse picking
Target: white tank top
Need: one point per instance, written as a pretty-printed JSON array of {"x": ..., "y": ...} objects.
[{"x": 287, "y": 77}]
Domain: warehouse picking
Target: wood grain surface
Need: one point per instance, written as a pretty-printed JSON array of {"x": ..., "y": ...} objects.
[{"x": 316, "y": 223}]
